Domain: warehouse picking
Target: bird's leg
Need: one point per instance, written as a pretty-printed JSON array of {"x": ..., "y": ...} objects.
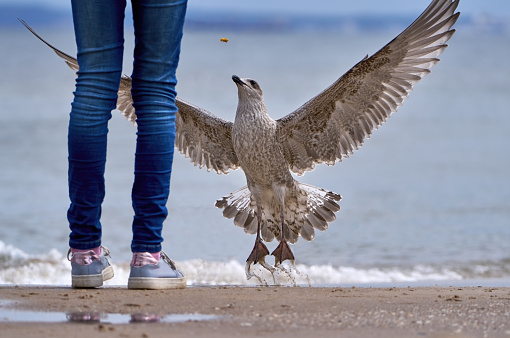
[
  {"x": 259, "y": 250},
  {"x": 282, "y": 251}
]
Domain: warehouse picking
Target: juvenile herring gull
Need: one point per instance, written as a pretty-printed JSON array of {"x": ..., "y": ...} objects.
[{"x": 325, "y": 129}]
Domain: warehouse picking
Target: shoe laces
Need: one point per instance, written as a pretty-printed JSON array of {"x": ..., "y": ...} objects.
[{"x": 167, "y": 259}]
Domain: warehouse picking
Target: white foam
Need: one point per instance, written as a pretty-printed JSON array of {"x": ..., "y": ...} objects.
[
  {"x": 18, "y": 267},
  {"x": 232, "y": 272},
  {"x": 52, "y": 268}
]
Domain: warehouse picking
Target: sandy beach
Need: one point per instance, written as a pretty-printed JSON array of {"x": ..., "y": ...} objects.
[{"x": 229, "y": 311}]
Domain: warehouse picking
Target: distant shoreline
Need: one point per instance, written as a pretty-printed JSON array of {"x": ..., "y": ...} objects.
[{"x": 263, "y": 22}]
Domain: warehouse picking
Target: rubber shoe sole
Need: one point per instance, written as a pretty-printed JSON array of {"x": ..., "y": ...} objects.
[
  {"x": 156, "y": 283},
  {"x": 92, "y": 281}
]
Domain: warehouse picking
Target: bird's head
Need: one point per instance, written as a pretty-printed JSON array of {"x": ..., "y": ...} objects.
[{"x": 247, "y": 89}]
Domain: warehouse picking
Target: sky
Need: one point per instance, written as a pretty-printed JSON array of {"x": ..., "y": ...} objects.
[{"x": 500, "y": 8}]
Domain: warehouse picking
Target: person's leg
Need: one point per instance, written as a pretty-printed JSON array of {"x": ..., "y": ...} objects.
[
  {"x": 99, "y": 33},
  {"x": 158, "y": 32}
]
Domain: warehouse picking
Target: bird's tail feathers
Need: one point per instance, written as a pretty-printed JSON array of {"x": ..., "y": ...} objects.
[
  {"x": 238, "y": 205},
  {"x": 321, "y": 208},
  {"x": 242, "y": 208},
  {"x": 313, "y": 209}
]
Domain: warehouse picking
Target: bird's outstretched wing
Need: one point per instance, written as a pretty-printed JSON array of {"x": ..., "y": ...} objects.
[
  {"x": 203, "y": 137},
  {"x": 337, "y": 121}
]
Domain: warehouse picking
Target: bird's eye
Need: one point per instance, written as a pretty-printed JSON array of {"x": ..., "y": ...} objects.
[{"x": 254, "y": 84}]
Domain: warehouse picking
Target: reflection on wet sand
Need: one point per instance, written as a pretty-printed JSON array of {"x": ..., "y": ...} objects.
[
  {"x": 116, "y": 318},
  {"x": 17, "y": 315},
  {"x": 96, "y": 317}
]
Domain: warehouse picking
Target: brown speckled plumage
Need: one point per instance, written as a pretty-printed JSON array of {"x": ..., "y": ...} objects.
[{"x": 325, "y": 129}]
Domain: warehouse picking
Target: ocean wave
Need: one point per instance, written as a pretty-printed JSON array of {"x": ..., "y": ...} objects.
[{"x": 52, "y": 268}]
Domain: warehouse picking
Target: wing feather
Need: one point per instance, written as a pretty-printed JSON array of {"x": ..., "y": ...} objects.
[
  {"x": 69, "y": 60},
  {"x": 337, "y": 121}
]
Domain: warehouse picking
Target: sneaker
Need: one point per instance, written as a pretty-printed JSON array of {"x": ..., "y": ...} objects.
[
  {"x": 149, "y": 273},
  {"x": 88, "y": 269}
]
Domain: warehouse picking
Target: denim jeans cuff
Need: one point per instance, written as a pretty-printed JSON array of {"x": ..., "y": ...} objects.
[
  {"x": 84, "y": 245},
  {"x": 145, "y": 248}
]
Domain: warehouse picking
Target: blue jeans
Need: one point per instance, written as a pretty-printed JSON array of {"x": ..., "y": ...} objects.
[{"x": 99, "y": 34}]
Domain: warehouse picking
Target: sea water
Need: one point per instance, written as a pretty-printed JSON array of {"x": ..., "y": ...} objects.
[{"x": 427, "y": 197}]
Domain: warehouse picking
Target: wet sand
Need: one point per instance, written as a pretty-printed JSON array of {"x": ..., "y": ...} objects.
[{"x": 266, "y": 311}]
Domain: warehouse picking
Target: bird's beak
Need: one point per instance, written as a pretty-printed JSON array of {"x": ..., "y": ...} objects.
[{"x": 238, "y": 81}]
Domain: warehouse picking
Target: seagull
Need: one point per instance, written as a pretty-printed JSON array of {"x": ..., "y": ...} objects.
[{"x": 326, "y": 129}]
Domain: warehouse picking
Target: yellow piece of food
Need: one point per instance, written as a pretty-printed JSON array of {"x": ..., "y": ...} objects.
[{"x": 224, "y": 40}]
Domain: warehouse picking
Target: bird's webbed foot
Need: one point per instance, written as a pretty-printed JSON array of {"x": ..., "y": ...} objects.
[
  {"x": 282, "y": 253},
  {"x": 258, "y": 253}
]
